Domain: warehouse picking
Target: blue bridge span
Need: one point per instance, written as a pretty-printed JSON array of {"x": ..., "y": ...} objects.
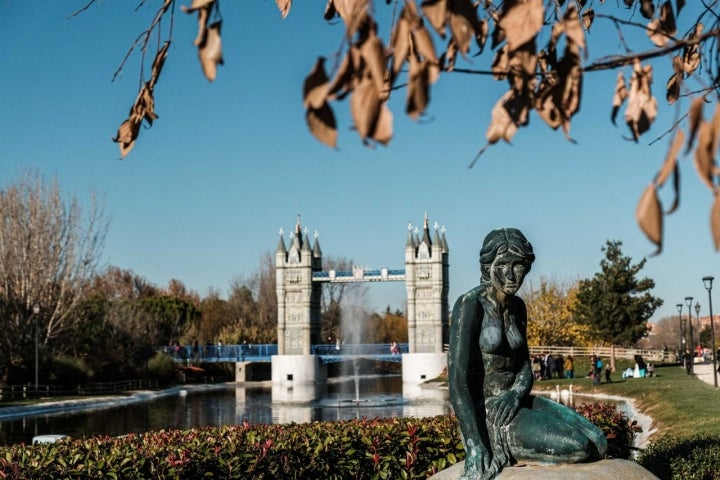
[{"x": 328, "y": 353}]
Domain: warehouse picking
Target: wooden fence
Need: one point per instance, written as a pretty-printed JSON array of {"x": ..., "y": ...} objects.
[{"x": 656, "y": 356}]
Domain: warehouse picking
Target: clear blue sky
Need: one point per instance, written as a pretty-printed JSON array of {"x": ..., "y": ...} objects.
[{"x": 206, "y": 189}]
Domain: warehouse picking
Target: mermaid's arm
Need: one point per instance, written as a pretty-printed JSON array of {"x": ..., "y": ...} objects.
[{"x": 465, "y": 385}]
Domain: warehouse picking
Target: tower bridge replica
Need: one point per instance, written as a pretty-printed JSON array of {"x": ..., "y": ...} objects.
[{"x": 299, "y": 281}]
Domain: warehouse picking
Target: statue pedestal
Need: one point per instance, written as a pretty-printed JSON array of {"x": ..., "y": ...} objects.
[{"x": 605, "y": 469}]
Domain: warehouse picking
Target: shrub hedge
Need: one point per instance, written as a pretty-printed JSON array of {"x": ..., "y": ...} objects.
[
  {"x": 695, "y": 458},
  {"x": 391, "y": 448},
  {"x": 359, "y": 449}
]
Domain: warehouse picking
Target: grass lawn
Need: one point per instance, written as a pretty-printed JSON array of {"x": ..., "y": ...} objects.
[{"x": 680, "y": 405}]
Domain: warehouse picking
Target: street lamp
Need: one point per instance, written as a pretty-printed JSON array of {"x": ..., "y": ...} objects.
[
  {"x": 680, "y": 329},
  {"x": 697, "y": 317},
  {"x": 707, "y": 281},
  {"x": 36, "y": 312},
  {"x": 688, "y": 302}
]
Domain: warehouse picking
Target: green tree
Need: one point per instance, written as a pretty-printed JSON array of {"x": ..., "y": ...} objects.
[
  {"x": 550, "y": 318},
  {"x": 615, "y": 304}
]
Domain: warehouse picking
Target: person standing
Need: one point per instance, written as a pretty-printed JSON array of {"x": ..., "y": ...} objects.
[{"x": 569, "y": 367}]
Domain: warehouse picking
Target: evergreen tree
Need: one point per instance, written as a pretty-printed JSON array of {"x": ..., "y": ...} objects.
[{"x": 615, "y": 304}]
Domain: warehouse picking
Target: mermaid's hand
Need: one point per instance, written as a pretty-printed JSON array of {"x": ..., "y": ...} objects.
[{"x": 505, "y": 408}]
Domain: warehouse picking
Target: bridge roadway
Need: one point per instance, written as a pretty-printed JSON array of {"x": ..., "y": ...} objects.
[{"x": 328, "y": 353}]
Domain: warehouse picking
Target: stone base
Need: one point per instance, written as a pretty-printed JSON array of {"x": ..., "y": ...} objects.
[
  {"x": 615, "y": 468},
  {"x": 421, "y": 367},
  {"x": 293, "y": 369}
]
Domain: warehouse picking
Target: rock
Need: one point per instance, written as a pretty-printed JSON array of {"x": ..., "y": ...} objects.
[{"x": 605, "y": 469}]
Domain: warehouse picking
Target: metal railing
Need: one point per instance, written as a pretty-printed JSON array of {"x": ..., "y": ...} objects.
[{"x": 26, "y": 392}]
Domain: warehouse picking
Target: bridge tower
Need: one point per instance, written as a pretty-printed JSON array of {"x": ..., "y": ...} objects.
[
  {"x": 298, "y": 300},
  {"x": 427, "y": 285}
]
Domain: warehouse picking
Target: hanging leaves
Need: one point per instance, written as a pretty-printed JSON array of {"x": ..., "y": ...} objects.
[
  {"x": 208, "y": 38},
  {"x": 649, "y": 216},
  {"x": 691, "y": 53},
  {"x": 619, "y": 96},
  {"x": 642, "y": 106},
  {"x": 522, "y": 22},
  {"x": 675, "y": 81},
  {"x": 319, "y": 116},
  {"x": 715, "y": 221},
  {"x": 284, "y": 7},
  {"x": 661, "y": 29},
  {"x": 143, "y": 108}
]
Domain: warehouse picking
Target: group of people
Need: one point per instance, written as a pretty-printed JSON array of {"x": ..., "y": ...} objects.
[{"x": 545, "y": 367}]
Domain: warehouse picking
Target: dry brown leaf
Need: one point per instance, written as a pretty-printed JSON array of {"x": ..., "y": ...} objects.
[
  {"x": 400, "y": 44},
  {"x": 127, "y": 134},
  {"x": 322, "y": 124},
  {"x": 715, "y": 221},
  {"x": 365, "y": 107},
  {"x": 315, "y": 87},
  {"x": 501, "y": 63},
  {"x": 692, "y": 53},
  {"x": 642, "y": 107},
  {"x": 343, "y": 82},
  {"x": 650, "y": 217},
  {"x": 675, "y": 81},
  {"x": 662, "y": 28},
  {"x": 619, "y": 96},
  {"x": 501, "y": 123},
  {"x": 522, "y": 22},
  {"x": 374, "y": 54},
  {"x": 464, "y": 24},
  {"x": 158, "y": 63},
  {"x": 671, "y": 159},
  {"x": 284, "y": 7},
  {"x": 203, "y": 16},
  {"x": 384, "y": 127},
  {"x": 353, "y": 12},
  {"x": 418, "y": 93},
  {"x": 447, "y": 60},
  {"x": 422, "y": 43},
  {"x": 679, "y": 4},
  {"x": 695, "y": 116},
  {"x": 705, "y": 154},
  {"x": 647, "y": 8},
  {"x": 197, "y": 5},
  {"x": 436, "y": 12},
  {"x": 210, "y": 51},
  {"x": 587, "y": 18},
  {"x": 573, "y": 28},
  {"x": 571, "y": 75}
]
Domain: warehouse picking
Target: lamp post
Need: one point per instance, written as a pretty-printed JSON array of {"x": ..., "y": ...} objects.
[
  {"x": 707, "y": 281},
  {"x": 36, "y": 312},
  {"x": 680, "y": 330},
  {"x": 697, "y": 317},
  {"x": 691, "y": 344}
]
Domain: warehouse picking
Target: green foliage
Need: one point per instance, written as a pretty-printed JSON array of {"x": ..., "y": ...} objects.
[
  {"x": 695, "y": 458},
  {"x": 615, "y": 304},
  {"x": 358, "y": 449},
  {"x": 161, "y": 367},
  {"x": 69, "y": 371},
  {"x": 618, "y": 429}
]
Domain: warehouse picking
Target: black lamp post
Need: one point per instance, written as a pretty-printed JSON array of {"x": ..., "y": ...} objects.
[
  {"x": 697, "y": 317},
  {"x": 691, "y": 344},
  {"x": 36, "y": 312},
  {"x": 680, "y": 330},
  {"x": 707, "y": 281}
]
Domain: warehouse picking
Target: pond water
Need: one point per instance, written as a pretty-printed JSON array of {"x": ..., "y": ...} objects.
[{"x": 380, "y": 396}]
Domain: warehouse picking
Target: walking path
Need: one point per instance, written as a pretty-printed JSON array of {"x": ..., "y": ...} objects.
[{"x": 704, "y": 372}]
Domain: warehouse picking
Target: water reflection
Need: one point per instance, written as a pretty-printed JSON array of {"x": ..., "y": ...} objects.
[{"x": 381, "y": 396}]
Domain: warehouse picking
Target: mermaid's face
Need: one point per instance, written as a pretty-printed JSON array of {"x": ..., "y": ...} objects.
[{"x": 507, "y": 273}]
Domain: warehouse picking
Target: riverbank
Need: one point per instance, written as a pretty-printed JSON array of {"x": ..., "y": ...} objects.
[{"x": 55, "y": 407}]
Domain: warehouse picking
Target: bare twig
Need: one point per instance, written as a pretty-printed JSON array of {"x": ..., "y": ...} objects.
[
  {"x": 628, "y": 59},
  {"x": 671, "y": 129},
  {"x": 85, "y": 7}
]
